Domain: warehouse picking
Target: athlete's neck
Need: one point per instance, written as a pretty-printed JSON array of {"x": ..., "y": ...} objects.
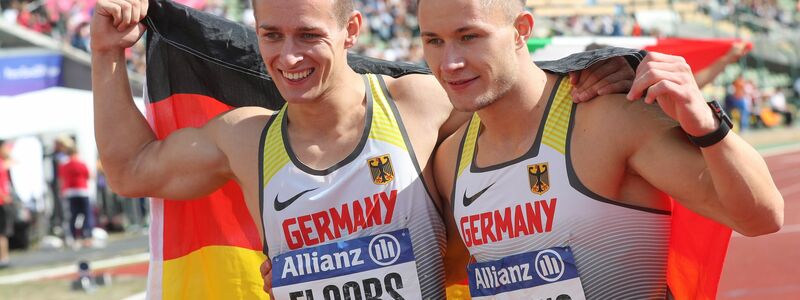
[
  {"x": 518, "y": 113},
  {"x": 340, "y": 109}
]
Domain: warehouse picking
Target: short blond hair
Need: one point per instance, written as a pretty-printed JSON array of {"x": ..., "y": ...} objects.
[{"x": 511, "y": 8}]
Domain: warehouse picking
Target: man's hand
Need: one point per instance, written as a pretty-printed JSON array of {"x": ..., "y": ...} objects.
[
  {"x": 266, "y": 273},
  {"x": 610, "y": 76},
  {"x": 115, "y": 24},
  {"x": 738, "y": 49},
  {"x": 668, "y": 80}
]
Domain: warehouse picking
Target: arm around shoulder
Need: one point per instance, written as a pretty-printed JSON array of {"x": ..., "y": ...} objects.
[
  {"x": 457, "y": 255},
  {"x": 426, "y": 98}
]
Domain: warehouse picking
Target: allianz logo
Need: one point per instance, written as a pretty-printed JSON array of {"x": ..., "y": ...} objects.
[
  {"x": 549, "y": 265},
  {"x": 384, "y": 250}
]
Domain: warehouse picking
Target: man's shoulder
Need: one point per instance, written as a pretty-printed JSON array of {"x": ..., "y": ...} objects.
[
  {"x": 410, "y": 87},
  {"x": 239, "y": 122},
  {"x": 420, "y": 93},
  {"x": 241, "y": 116},
  {"x": 615, "y": 114}
]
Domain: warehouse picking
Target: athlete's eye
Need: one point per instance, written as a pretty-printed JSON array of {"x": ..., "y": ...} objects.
[
  {"x": 272, "y": 36},
  {"x": 469, "y": 37},
  {"x": 309, "y": 36},
  {"x": 434, "y": 41}
]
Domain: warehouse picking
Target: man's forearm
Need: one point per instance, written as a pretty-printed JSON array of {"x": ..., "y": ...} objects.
[
  {"x": 120, "y": 129},
  {"x": 744, "y": 186}
]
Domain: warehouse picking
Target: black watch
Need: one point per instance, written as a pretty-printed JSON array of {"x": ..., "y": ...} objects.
[{"x": 725, "y": 125}]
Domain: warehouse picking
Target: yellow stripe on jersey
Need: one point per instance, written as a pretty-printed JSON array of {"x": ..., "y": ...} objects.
[
  {"x": 275, "y": 156},
  {"x": 469, "y": 143},
  {"x": 223, "y": 278},
  {"x": 384, "y": 125},
  {"x": 555, "y": 130}
]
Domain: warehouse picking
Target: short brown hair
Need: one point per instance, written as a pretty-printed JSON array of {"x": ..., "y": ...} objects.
[{"x": 341, "y": 10}]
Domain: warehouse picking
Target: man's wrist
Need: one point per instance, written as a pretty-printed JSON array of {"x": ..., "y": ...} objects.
[{"x": 723, "y": 126}]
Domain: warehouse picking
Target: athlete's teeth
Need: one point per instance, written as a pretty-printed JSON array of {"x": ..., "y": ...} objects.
[{"x": 296, "y": 76}]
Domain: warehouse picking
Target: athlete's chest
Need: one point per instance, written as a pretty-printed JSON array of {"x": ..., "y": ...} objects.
[
  {"x": 510, "y": 201},
  {"x": 369, "y": 190}
]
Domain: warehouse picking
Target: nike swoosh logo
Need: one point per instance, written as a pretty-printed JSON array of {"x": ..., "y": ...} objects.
[
  {"x": 279, "y": 206},
  {"x": 468, "y": 200}
]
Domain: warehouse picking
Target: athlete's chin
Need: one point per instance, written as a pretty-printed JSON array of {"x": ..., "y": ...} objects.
[
  {"x": 297, "y": 97},
  {"x": 469, "y": 104}
]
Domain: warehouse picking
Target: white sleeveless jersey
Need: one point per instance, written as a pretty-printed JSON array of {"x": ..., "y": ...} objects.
[
  {"x": 534, "y": 229},
  {"x": 365, "y": 228}
]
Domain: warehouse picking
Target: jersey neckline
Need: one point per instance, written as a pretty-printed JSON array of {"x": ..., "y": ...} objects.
[
  {"x": 349, "y": 158},
  {"x": 533, "y": 151}
]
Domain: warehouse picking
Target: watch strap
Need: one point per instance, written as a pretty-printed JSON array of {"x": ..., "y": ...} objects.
[{"x": 716, "y": 136}]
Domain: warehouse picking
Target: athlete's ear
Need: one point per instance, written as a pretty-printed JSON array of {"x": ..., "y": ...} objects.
[
  {"x": 524, "y": 29},
  {"x": 353, "y": 29}
]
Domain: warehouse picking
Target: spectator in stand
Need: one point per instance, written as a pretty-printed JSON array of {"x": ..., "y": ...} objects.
[
  {"x": 778, "y": 104},
  {"x": 80, "y": 37},
  {"x": 75, "y": 188},
  {"x": 10, "y": 11},
  {"x": 6, "y": 212},
  {"x": 740, "y": 103}
]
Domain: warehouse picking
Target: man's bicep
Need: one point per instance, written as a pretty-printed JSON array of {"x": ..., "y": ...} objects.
[
  {"x": 444, "y": 164},
  {"x": 676, "y": 167},
  {"x": 457, "y": 255},
  {"x": 185, "y": 165}
]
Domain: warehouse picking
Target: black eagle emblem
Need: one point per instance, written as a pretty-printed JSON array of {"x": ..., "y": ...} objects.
[
  {"x": 539, "y": 178},
  {"x": 381, "y": 169}
]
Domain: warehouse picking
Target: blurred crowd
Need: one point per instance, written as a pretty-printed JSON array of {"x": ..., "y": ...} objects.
[
  {"x": 51, "y": 195},
  {"x": 391, "y": 25},
  {"x": 753, "y": 107},
  {"x": 780, "y": 11},
  {"x": 390, "y": 28}
]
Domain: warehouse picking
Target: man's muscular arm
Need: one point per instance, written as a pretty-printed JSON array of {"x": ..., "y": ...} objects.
[
  {"x": 728, "y": 181},
  {"x": 457, "y": 256},
  {"x": 188, "y": 164}
]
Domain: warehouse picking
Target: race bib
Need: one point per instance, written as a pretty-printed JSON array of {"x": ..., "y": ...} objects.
[
  {"x": 549, "y": 274},
  {"x": 375, "y": 267}
]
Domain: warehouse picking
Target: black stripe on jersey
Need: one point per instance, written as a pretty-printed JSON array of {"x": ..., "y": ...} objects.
[
  {"x": 353, "y": 155},
  {"x": 458, "y": 163},
  {"x": 576, "y": 183},
  {"x": 532, "y": 152},
  {"x": 261, "y": 144},
  {"x": 403, "y": 132}
]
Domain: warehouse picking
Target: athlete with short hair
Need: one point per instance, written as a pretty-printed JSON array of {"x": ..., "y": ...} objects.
[
  {"x": 342, "y": 182},
  {"x": 561, "y": 200}
]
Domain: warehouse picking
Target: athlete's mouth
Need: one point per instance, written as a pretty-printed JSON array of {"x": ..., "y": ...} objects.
[
  {"x": 297, "y": 76},
  {"x": 461, "y": 82}
]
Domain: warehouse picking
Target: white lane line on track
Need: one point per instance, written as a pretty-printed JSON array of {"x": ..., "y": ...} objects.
[
  {"x": 794, "y": 228},
  {"x": 65, "y": 270}
]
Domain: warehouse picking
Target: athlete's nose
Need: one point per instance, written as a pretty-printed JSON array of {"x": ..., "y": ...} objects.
[
  {"x": 291, "y": 55},
  {"x": 452, "y": 60}
]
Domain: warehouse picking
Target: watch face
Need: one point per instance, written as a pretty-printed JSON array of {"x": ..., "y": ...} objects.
[{"x": 720, "y": 113}]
